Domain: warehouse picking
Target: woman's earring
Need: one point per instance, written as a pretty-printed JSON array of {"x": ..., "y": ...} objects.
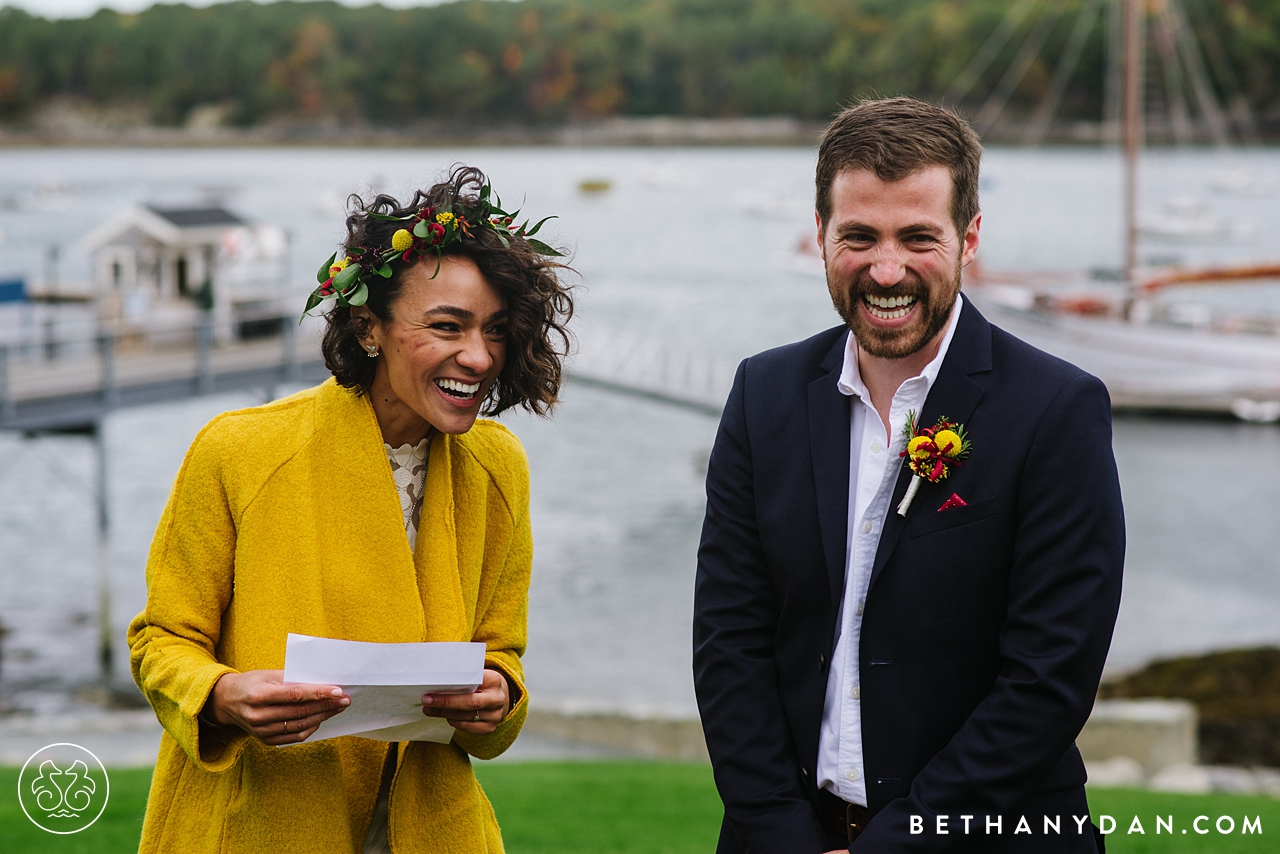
[{"x": 373, "y": 351}]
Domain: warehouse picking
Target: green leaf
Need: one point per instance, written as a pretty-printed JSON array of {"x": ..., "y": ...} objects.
[
  {"x": 384, "y": 271},
  {"x": 323, "y": 275},
  {"x": 534, "y": 230},
  {"x": 313, "y": 300},
  {"x": 543, "y": 249},
  {"x": 420, "y": 230},
  {"x": 385, "y": 217},
  {"x": 343, "y": 280},
  {"x": 506, "y": 244},
  {"x": 358, "y": 294}
]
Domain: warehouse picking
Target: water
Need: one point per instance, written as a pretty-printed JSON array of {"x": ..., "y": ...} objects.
[{"x": 697, "y": 247}]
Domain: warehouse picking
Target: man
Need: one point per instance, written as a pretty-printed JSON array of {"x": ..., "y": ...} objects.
[{"x": 891, "y": 674}]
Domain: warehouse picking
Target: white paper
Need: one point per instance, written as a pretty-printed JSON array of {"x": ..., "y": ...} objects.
[{"x": 385, "y": 682}]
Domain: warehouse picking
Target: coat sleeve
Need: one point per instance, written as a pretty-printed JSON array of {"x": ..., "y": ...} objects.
[
  {"x": 1063, "y": 598},
  {"x": 736, "y": 615},
  {"x": 503, "y": 625},
  {"x": 189, "y": 585}
]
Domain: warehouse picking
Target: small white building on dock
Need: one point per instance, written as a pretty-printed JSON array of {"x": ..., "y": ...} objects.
[{"x": 158, "y": 265}]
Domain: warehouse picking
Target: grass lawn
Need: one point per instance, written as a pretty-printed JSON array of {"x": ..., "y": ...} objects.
[
  {"x": 117, "y": 830},
  {"x": 653, "y": 808},
  {"x": 1124, "y": 804}
]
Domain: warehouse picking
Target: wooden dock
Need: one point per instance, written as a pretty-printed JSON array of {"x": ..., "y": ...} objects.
[{"x": 70, "y": 383}]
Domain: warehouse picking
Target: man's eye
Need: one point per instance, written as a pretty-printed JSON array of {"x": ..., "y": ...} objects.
[{"x": 861, "y": 239}]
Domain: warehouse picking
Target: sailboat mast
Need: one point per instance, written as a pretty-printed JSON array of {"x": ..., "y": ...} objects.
[{"x": 1133, "y": 130}]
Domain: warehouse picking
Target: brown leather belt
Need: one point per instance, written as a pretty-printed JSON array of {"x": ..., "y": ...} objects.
[{"x": 840, "y": 817}]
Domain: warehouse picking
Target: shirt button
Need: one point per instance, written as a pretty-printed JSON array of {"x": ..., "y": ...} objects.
[
  {"x": 867, "y": 526},
  {"x": 861, "y": 605},
  {"x": 875, "y": 447},
  {"x": 855, "y": 693},
  {"x": 852, "y": 773}
]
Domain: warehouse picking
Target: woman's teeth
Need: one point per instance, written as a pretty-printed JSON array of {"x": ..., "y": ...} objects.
[
  {"x": 463, "y": 391},
  {"x": 888, "y": 308}
]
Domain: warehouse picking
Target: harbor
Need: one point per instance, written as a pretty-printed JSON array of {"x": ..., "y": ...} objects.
[{"x": 668, "y": 306}]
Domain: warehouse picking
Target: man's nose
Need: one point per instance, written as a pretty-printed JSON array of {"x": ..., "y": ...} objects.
[
  {"x": 475, "y": 355},
  {"x": 888, "y": 268}
]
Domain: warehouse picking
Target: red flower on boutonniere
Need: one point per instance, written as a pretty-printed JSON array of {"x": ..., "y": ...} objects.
[{"x": 931, "y": 452}]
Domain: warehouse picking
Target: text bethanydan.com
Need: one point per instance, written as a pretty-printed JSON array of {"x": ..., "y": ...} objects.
[{"x": 1053, "y": 825}]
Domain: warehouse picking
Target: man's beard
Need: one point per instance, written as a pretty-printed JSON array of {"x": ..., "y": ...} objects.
[{"x": 895, "y": 343}]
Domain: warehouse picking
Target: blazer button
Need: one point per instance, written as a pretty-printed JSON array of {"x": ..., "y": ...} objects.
[
  {"x": 822, "y": 662},
  {"x": 804, "y": 774}
]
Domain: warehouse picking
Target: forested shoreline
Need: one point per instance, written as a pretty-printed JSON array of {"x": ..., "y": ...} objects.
[{"x": 478, "y": 63}]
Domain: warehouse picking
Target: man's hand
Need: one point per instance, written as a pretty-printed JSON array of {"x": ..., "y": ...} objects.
[
  {"x": 479, "y": 712},
  {"x": 261, "y": 704}
]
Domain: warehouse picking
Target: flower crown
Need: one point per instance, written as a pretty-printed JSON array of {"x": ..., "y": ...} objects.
[{"x": 428, "y": 230}]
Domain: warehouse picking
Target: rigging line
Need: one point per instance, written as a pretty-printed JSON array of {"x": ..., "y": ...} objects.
[
  {"x": 1062, "y": 76},
  {"x": 1175, "y": 94},
  {"x": 1027, "y": 54},
  {"x": 1199, "y": 76},
  {"x": 1198, "y": 20},
  {"x": 1112, "y": 110},
  {"x": 966, "y": 79}
]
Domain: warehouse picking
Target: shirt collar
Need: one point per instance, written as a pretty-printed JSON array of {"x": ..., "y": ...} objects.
[{"x": 850, "y": 382}]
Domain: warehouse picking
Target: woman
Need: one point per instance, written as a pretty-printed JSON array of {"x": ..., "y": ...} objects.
[{"x": 374, "y": 507}]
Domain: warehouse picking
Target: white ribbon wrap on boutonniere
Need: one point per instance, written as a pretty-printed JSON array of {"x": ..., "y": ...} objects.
[{"x": 930, "y": 453}]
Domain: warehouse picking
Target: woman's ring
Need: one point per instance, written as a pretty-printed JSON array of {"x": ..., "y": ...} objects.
[{"x": 476, "y": 718}]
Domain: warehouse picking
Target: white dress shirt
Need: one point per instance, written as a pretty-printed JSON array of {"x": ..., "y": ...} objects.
[{"x": 873, "y": 471}]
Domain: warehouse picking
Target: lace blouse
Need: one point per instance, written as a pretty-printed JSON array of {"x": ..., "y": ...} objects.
[{"x": 409, "y": 470}]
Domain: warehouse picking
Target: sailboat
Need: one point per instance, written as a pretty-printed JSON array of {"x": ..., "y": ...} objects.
[{"x": 1153, "y": 356}]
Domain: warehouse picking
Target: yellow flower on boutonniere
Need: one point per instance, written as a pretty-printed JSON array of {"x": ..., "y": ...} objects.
[
  {"x": 931, "y": 452},
  {"x": 338, "y": 266}
]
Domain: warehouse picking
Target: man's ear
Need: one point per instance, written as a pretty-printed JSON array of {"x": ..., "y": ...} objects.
[
  {"x": 969, "y": 249},
  {"x": 817, "y": 222}
]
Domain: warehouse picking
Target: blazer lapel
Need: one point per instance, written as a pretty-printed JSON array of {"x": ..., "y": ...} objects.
[
  {"x": 829, "y": 443},
  {"x": 955, "y": 394}
]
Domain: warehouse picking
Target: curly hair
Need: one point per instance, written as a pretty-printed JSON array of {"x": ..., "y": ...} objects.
[{"x": 539, "y": 305}]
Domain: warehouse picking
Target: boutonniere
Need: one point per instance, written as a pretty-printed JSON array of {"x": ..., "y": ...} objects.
[{"x": 931, "y": 452}]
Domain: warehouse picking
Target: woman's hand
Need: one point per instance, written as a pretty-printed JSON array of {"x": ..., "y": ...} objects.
[
  {"x": 479, "y": 712},
  {"x": 261, "y": 704}
]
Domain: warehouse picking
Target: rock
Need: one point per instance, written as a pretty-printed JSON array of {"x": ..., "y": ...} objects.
[
  {"x": 1155, "y": 733},
  {"x": 1233, "y": 779},
  {"x": 1182, "y": 777},
  {"x": 1118, "y": 772}
]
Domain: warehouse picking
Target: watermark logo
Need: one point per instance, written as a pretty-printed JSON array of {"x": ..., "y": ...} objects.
[{"x": 63, "y": 788}]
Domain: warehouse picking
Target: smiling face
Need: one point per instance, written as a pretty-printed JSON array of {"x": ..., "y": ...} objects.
[
  {"x": 893, "y": 258},
  {"x": 440, "y": 353}
]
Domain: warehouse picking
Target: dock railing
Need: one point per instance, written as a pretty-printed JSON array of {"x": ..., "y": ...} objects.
[{"x": 68, "y": 379}]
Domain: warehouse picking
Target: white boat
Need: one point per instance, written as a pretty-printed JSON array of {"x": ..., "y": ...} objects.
[{"x": 1151, "y": 354}]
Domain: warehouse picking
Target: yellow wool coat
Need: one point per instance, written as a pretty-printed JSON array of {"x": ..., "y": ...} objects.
[{"x": 285, "y": 518}]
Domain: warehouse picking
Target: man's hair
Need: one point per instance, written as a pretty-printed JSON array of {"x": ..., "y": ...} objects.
[{"x": 894, "y": 138}]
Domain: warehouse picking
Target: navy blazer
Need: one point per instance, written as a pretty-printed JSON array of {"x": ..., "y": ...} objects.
[{"x": 985, "y": 627}]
